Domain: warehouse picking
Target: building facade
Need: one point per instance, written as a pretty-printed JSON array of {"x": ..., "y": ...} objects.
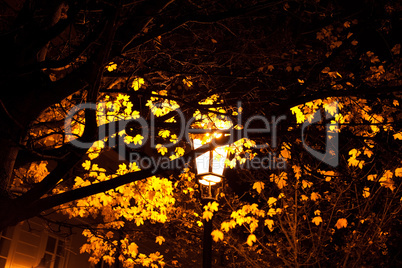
[{"x": 30, "y": 244}]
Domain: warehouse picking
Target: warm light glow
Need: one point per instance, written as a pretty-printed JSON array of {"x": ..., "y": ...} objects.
[
  {"x": 219, "y": 157},
  {"x": 218, "y": 135},
  {"x": 203, "y": 161},
  {"x": 204, "y": 182},
  {"x": 210, "y": 179}
]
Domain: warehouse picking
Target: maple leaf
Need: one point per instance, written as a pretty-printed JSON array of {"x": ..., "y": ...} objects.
[
  {"x": 86, "y": 165},
  {"x": 159, "y": 240},
  {"x": 180, "y": 151},
  {"x": 164, "y": 133},
  {"x": 259, "y": 185},
  {"x": 270, "y": 224},
  {"x": 304, "y": 197},
  {"x": 398, "y": 172},
  {"x": 109, "y": 235},
  {"x": 250, "y": 239},
  {"x": 306, "y": 184},
  {"x": 297, "y": 171},
  {"x": 279, "y": 180},
  {"x": 317, "y": 220},
  {"x": 207, "y": 215},
  {"x": 341, "y": 223},
  {"x": 352, "y": 161},
  {"x": 366, "y": 192},
  {"x": 398, "y": 136},
  {"x": 111, "y": 67},
  {"x": 315, "y": 196},
  {"x": 137, "y": 83},
  {"x": 161, "y": 149},
  {"x": 217, "y": 235},
  {"x": 211, "y": 206},
  {"x": 138, "y": 139},
  {"x": 271, "y": 201},
  {"x": 133, "y": 249},
  {"x": 139, "y": 221},
  {"x": 225, "y": 226}
]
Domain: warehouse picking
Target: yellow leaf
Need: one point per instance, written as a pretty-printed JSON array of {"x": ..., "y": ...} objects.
[
  {"x": 159, "y": 240},
  {"x": 86, "y": 165},
  {"x": 133, "y": 249},
  {"x": 279, "y": 180},
  {"x": 225, "y": 226},
  {"x": 317, "y": 220},
  {"x": 173, "y": 138},
  {"x": 164, "y": 133},
  {"x": 259, "y": 185},
  {"x": 398, "y": 136},
  {"x": 212, "y": 206},
  {"x": 180, "y": 151},
  {"x": 139, "y": 221},
  {"x": 207, "y": 215},
  {"x": 187, "y": 82},
  {"x": 304, "y": 197},
  {"x": 297, "y": 171},
  {"x": 109, "y": 235},
  {"x": 137, "y": 83},
  {"x": 306, "y": 184},
  {"x": 217, "y": 235},
  {"x": 386, "y": 180},
  {"x": 398, "y": 172},
  {"x": 352, "y": 161},
  {"x": 161, "y": 149},
  {"x": 138, "y": 139},
  {"x": 111, "y": 67},
  {"x": 315, "y": 196},
  {"x": 250, "y": 239},
  {"x": 271, "y": 201},
  {"x": 366, "y": 192},
  {"x": 341, "y": 223},
  {"x": 270, "y": 224}
]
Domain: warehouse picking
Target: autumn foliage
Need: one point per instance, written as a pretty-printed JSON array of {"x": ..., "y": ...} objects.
[{"x": 311, "y": 69}]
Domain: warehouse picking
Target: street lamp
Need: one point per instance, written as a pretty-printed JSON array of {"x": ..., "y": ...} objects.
[{"x": 210, "y": 166}]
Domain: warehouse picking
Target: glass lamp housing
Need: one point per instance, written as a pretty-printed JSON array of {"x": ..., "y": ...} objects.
[{"x": 210, "y": 167}]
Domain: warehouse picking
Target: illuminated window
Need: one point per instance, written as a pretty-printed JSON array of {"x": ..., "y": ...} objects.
[
  {"x": 54, "y": 253},
  {"x": 5, "y": 242}
]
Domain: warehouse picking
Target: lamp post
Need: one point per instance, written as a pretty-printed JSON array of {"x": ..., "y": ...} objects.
[{"x": 210, "y": 166}]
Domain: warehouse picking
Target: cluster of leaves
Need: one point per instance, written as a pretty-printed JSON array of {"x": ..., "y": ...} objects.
[{"x": 300, "y": 213}]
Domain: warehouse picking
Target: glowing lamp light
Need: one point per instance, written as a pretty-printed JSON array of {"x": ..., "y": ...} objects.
[{"x": 210, "y": 167}]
